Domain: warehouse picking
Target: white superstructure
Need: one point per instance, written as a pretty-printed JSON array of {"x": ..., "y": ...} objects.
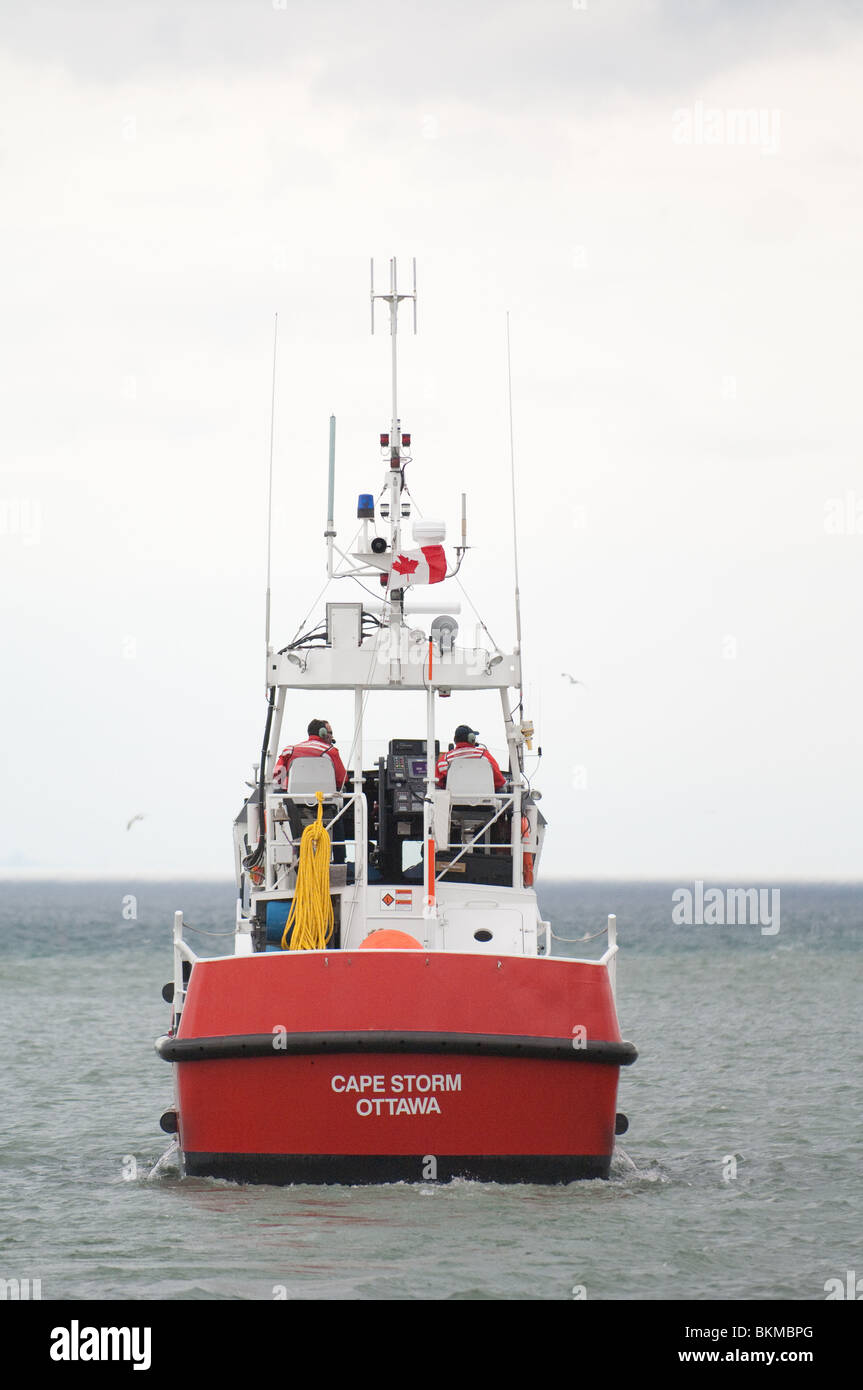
[{"x": 478, "y": 846}]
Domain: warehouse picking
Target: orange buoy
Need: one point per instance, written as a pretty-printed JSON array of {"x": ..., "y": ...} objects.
[
  {"x": 386, "y": 939},
  {"x": 527, "y": 859}
]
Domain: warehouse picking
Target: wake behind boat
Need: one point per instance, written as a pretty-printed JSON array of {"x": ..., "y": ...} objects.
[{"x": 392, "y": 1008}]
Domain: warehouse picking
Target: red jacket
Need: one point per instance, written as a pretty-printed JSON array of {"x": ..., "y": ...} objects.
[
  {"x": 312, "y": 748},
  {"x": 467, "y": 750}
]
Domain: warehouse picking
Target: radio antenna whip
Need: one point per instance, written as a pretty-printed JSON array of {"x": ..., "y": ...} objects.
[
  {"x": 393, "y": 443},
  {"x": 270, "y": 484},
  {"x": 514, "y": 523}
]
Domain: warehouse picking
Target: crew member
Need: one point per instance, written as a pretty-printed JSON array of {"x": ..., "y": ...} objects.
[
  {"x": 319, "y": 744},
  {"x": 466, "y": 746}
]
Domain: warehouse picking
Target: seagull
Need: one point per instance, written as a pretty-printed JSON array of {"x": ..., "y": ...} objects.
[
  {"x": 571, "y": 679},
  {"x": 139, "y": 816}
]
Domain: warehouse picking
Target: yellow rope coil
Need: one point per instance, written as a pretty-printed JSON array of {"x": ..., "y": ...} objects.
[{"x": 310, "y": 921}]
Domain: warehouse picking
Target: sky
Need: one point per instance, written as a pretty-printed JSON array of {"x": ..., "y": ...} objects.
[{"x": 666, "y": 199}]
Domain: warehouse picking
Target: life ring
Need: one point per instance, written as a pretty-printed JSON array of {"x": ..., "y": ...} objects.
[{"x": 526, "y": 859}]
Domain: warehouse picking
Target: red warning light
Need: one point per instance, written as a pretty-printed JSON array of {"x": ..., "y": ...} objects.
[
  {"x": 385, "y": 441},
  {"x": 406, "y": 439}
]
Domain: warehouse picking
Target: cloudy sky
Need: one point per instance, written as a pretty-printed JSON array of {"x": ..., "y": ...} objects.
[{"x": 665, "y": 195}]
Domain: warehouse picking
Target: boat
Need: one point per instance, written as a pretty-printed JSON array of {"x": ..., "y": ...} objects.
[{"x": 393, "y": 1006}]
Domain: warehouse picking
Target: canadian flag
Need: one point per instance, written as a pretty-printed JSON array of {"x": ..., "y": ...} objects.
[{"x": 426, "y": 566}]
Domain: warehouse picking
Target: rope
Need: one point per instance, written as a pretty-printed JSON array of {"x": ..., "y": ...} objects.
[
  {"x": 310, "y": 922},
  {"x": 579, "y": 939},
  {"x": 187, "y": 926}
]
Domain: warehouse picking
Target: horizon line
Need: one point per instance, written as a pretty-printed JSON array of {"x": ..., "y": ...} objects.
[{"x": 8, "y": 875}]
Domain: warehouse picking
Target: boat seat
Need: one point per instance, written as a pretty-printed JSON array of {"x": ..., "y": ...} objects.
[
  {"x": 470, "y": 778},
  {"x": 307, "y": 777},
  {"x": 472, "y": 799},
  {"x": 310, "y": 775}
]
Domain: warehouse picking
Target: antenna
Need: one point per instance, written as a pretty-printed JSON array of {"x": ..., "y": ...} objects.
[
  {"x": 331, "y": 485},
  {"x": 270, "y": 485},
  {"x": 393, "y": 442},
  {"x": 514, "y": 525},
  {"x": 394, "y": 298}
]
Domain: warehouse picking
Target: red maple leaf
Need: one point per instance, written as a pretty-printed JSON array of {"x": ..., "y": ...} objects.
[{"x": 404, "y": 565}]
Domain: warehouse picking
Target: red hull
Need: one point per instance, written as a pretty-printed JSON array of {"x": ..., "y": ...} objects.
[{"x": 368, "y": 1066}]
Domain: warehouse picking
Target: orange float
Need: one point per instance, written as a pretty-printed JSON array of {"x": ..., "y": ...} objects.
[
  {"x": 527, "y": 859},
  {"x": 386, "y": 939}
]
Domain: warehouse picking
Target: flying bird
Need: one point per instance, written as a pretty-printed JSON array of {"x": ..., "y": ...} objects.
[
  {"x": 571, "y": 679},
  {"x": 139, "y": 816}
]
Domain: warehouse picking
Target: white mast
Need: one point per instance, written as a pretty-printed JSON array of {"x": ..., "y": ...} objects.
[
  {"x": 393, "y": 445},
  {"x": 394, "y": 483}
]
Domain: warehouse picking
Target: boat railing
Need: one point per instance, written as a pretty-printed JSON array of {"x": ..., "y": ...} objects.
[
  {"x": 609, "y": 958},
  {"x": 506, "y": 802},
  {"x": 283, "y": 841},
  {"x": 182, "y": 952}
]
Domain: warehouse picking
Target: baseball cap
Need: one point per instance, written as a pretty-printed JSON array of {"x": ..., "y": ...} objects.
[{"x": 463, "y": 733}]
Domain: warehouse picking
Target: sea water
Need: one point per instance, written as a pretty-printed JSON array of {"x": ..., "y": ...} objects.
[{"x": 738, "y": 1177}]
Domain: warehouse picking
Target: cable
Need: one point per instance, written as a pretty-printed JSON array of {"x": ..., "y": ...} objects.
[
  {"x": 371, "y": 593},
  {"x": 252, "y": 860},
  {"x": 310, "y": 639},
  {"x": 478, "y": 618},
  {"x": 365, "y": 700}
]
